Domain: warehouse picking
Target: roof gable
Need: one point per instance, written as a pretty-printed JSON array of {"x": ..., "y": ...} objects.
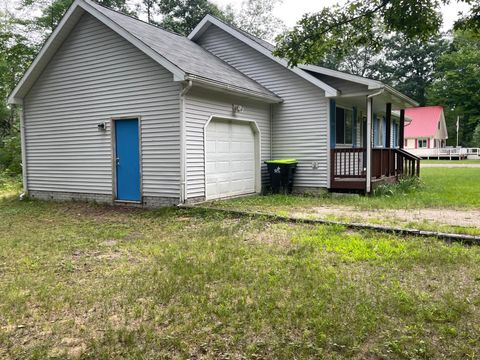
[
  {"x": 183, "y": 58},
  {"x": 259, "y": 45},
  {"x": 425, "y": 121}
]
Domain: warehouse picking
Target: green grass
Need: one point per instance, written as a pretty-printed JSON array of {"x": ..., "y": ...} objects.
[
  {"x": 450, "y": 161},
  {"x": 441, "y": 188},
  {"x": 9, "y": 185},
  {"x": 79, "y": 280}
]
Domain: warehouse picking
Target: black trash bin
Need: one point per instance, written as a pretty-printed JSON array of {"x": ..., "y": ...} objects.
[{"x": 281, "y": 174}]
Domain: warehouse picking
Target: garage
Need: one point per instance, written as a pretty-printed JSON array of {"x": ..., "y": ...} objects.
[{"x": 231, "y": 154}]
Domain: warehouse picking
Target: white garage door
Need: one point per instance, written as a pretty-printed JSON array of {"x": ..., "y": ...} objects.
[{"x": 230, "y": 159}]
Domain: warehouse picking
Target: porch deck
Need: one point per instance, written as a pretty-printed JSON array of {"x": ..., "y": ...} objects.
[
  {"x": 448, "y": 153},
  {"x": 348, "y": 167}
]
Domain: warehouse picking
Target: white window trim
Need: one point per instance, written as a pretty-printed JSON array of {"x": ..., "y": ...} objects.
[
  {"x": 343, "y": 145},
  {"x": 426, "y": 143}
]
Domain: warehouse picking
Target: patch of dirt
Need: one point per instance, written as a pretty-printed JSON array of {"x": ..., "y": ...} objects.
[
  {"x": 98, "y": 212},
  {"x": 133, "y": 236},
  {"x": 70, "y": 347},
  {"x": 273, "y": 234},
  {"x": 110, "y": 242},
  {"x": 470, "y": 218}
]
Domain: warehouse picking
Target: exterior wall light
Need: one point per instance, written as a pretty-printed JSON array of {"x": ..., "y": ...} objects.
[
  {"x": 237, "y": 108},
  {"x": 102, "y": 126}
]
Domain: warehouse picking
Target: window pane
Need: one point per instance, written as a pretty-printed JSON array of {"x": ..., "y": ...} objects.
[
  {"x": 348, "y": 126},
  {"x": 340, "y": 126},
  {"x": 395, "y": 136}
]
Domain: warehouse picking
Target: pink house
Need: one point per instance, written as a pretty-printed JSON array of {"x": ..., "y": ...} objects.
[{"x": 427, "y": 128}]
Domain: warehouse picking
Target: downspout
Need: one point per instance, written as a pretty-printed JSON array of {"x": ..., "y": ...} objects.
[
  {"x": 271, "y": 130},
  {"x": 183, "y": 140},
  {"x": 368, "y": 180},
  {"x": 24, "y": 152}
]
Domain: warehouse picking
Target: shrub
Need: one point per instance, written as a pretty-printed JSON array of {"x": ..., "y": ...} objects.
[
  {"x": 404, "y": 186},
  {"x": 11, "y": 154}
]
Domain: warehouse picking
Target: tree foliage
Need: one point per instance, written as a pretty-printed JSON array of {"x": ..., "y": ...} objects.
[
  {"x": 181, "y": 16},
  {"x": 353, "y": 25},
  {"x": 51, "y": 12},
  {"x": 409, "y": 65},
  {"x": 16, "y": 54},
  {"x": 476, "y": 136},
  {"x": 256, "y": 17},
  {"x": 457, "y": 84}
]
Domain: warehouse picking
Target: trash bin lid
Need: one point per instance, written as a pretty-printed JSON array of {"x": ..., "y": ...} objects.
[{"x": 282, "y": 161}]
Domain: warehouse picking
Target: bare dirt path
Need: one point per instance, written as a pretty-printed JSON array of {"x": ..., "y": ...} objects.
[{"x": 468, "y": 218}]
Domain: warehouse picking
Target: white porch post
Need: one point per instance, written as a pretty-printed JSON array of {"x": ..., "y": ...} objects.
[{"x": 368, "y": 174}]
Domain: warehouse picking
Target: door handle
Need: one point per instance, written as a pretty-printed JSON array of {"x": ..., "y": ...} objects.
[{"x": 117, "y": 160}]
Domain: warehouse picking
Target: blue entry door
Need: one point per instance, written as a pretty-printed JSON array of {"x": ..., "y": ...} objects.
[{"x": 127, "y": 160}]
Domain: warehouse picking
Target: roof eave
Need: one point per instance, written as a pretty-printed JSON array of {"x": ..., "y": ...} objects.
[
  {"x": 372, "y": 84},
  {"x": 216, "y": 85},
  {"x": 407, "y": 100}
]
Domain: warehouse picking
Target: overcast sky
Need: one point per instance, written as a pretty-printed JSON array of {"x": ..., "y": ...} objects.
[{"x": 290, "y": 11}]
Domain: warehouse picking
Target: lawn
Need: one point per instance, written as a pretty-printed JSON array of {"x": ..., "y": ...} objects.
[
  {"x": 440, "y": 188},
  {"x": 450, "y": 162},
  {"x": 87, "y": 281},
  {"x": 9, "y": 185}
]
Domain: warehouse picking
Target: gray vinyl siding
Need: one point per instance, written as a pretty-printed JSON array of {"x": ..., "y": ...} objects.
[
  {"x": 300, "y": 124},
  {"x": 94, "y": 76},
  {"x": 200, "y": 105}
]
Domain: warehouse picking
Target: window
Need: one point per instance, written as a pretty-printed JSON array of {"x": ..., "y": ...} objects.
[
  {"x": 422, "y": 143},
  {"x": 344, "y": 126},
  {"x": 378, "y": 131},
  {"x": 395, "y": 135}
]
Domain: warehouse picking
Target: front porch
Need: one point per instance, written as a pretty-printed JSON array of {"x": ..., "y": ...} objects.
[
  {"x": 366, "y": 142},
  {"x": 348, "y": 167}
]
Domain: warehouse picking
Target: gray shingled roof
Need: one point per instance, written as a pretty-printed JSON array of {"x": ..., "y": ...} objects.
[{"x": 182, "y": 52}]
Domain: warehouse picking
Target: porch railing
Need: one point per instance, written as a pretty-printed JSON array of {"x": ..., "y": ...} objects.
[
  {"x": 408, "y": 164},
  {"x": 348, "y": 167}
]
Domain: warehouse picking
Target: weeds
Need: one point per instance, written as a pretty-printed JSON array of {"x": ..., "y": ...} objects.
[
  {"x": 89, "y": 281},
  {"x": 404, "y": 186}
]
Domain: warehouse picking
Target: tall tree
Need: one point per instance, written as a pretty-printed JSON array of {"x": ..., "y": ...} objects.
[
  {"x": 151, "y": 8},
  {"x": 357, "y": 59},
  {"x": 476, "y": 136},
  {"x": 256, "y": 17},
  {"x": 181, "y": 16},
  {"x": 52, "y": 11},
  {"x": 351, "y": 25},
  {"x": 409, "y": 65},
  {"x": 16, "y": 54},
  {"x": 457, "y": 84}
]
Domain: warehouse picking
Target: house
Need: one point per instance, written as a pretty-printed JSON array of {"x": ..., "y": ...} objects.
[
  {"x": 117, "y": 110},
  {"x": 426, "y": 130}
]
